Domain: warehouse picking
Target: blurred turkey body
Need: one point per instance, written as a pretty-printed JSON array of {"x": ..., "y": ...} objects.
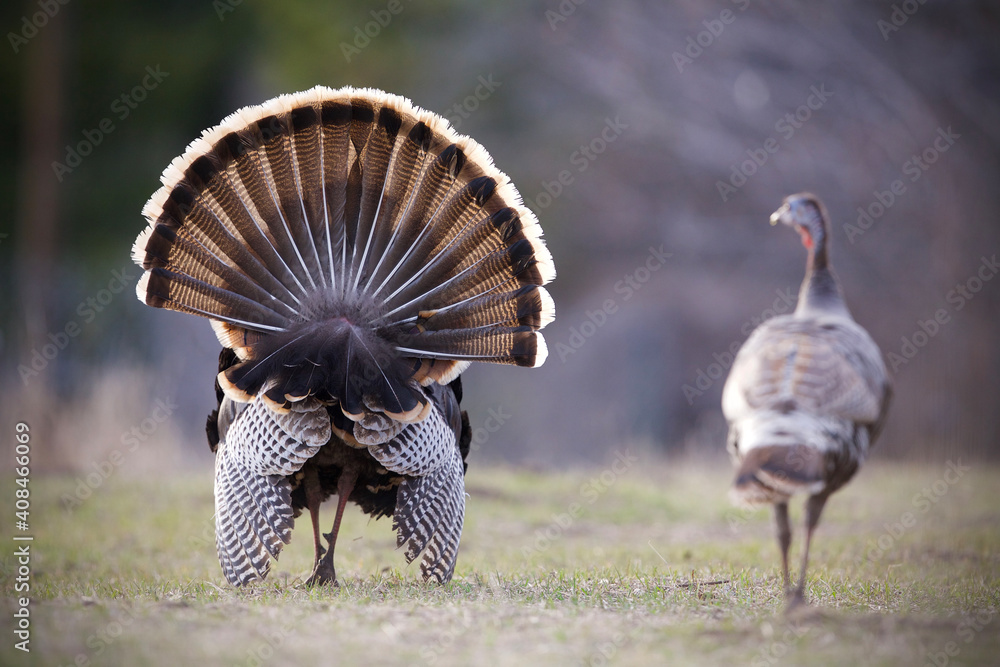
[
  {"x": 354, "y": 254},
  {"x": 807, "y": 394}
]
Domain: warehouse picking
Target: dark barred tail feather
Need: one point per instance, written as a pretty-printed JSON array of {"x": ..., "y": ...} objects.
[{"x": 354, "y": 255}]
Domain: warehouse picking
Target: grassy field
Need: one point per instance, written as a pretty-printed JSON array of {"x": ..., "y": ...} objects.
[{"x": 633, "y": 564}]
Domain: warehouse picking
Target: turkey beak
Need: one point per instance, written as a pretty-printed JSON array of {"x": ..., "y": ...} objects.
[{"x": 777, "y": 215}]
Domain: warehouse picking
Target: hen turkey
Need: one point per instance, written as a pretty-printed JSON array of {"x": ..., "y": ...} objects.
[
  {"x": 807, "y": 394},
  {"x": 354, "y": 254}
]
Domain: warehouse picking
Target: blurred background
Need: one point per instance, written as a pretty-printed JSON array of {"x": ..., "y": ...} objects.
[{"x": 652, "y": 139}]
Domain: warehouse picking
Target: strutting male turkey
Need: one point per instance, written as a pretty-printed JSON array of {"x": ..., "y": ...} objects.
[
  {"x": 807, "y": 394},
  {"x": 354, "y": 254}
]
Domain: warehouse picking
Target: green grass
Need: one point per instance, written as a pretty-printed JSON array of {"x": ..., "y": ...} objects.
[{"x": 655, "y": 568}]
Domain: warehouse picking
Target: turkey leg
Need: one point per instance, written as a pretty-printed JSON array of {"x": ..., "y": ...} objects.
[
  {"x": 814, "y": 508},
  {"x": 325, "y": 572},
  {"x": 784, "y": 540},
  {"x": 314, "y": 498}
]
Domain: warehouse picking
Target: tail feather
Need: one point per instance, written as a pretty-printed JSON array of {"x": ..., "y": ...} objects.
[
  {"x": 408, "y": 248},
  {"x": 529, "y": 306},
  {"x": 505, "y": 269},
  {"x": 362, "y": 113},
  {"x": 770, "y": 474},
  {"x": 336, "y": 150},
  {"x": 169, "y": 289},
  {"x": 396, "y": 236},
  {"x": 206, "y": 202},
  {"x": 199, "y": 262},
  {"x": 376, "y": 177},
  {"x": 242, "y": 201},
  {"x": 259, "y": 191},
  {"x": 424, "y": 250},
  {"x": 469, "y": 242},
  {"x": 280, "y": 168},
  {"x": 516, "y": 345},
  {"x": 203, "y": 233},
  {"x": 305, "y": 132}
]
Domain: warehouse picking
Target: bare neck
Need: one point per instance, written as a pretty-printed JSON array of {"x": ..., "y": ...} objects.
[{"x": 820, "y": 291}]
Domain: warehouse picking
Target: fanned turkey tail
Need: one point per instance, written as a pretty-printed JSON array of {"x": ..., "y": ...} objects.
[{"x": 348, "y": 246}]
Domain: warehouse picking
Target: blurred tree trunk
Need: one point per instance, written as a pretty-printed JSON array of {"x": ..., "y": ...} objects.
[{"x": 39, "y": 207}]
